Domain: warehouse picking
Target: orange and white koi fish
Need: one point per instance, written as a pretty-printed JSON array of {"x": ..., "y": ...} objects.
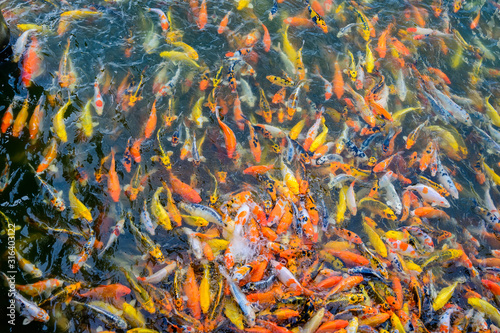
[
  {"x": 32, "y": 63},
  {"x": 49, "y": 156},
  {"x": 20, "y": 121},
  {"x": 84, "y": 255},
  {"x": 98, "y": 101},
  {"x": 287, "y": 278},
  {"x": 163, "y": 18},
  {"x": 37, "y": 288}
]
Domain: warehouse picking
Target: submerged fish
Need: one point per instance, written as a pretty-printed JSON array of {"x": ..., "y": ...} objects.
[{"x": 393, "y": 118}]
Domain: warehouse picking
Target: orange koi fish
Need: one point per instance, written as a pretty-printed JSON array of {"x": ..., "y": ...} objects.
[
  {"x": 229, "y": 137},
  {"x": 406, "y": 201},
  {"x": 32, "y": 62},
  {"x": 192, "y": 292},
  {"x": 350, "y": 258},
  {"x": 338, "y": 81},
  {"x": 379, "y": 110},
  {"x": 279, "y": 97},
  {"x": 202, "y": 17},
  {"x": 412, "y": 137},
  {"x": 312, "y": 132},
  {"x": 36, "y": 118},
  {"x": 382, "y": 41},
  {"x": 347, "y": 235},
  {"x": 254, "y": 143},
  {"x": 382, "y": 166},
  {"x": 151, "y": 123},
  {"x": 345, "y": 284},
  {"x": 418, "y": 16},
  {"x": 193, "y": 4},
  {"x": 425, "y": 160},
  {"x": 8, "y": 118},
  {"x": 184, "y": 190},
  {"x": 49, "y": 156},
  {"x": 491, "y": 286},
  {"x": 317, "y": 7},
  {"x": 266, "y": 39},
  {"x": 400, "y": 47},
  {"x": 239, "y": 118},
  {"x": 298, "y": 22},
  {"x": 285, "y": 221},
  {"x": 332, "y": 326},
  {"x": 258, "y": 169},
  {"x": 328, "y": 283},
  {"x": 135, "y": 150},
  {"x": 223, "y": 23},
  {"x": 252, "y": 38},
  {"x": 113, "y": 182},
  {"x": 116, "y": 291},
  {"x": 439, "y": 74},
  {"x": 430, "y": 213},
  {"x": 475, "y": 22}
]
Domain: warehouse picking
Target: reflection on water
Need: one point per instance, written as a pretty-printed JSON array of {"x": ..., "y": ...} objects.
[{"x": 320, "y": 139}]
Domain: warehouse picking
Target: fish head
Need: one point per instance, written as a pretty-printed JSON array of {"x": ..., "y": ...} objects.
[
  {"x": 221, "y": 175},
  {"x": 157, "y": 254},
  {"x": 213, "y": 200},
  {"x": 42, "y": 316},
  {"x": 353, "y": 75},
  {"x": 169, "y": 120},
  {"x": 122, "y": 291},
  {"x": 356, "y": 298}
]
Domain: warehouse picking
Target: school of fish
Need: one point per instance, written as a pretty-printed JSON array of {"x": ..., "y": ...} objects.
[{"x": 324, "y": 166}]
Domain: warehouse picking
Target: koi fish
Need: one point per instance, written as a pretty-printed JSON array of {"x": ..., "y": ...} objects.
[
  {"x": 20, "y": 120},
  {"x": 79, "y": 209},
  {"x": 30, "y": 310},
  {"x": 32, "y": 63},
  {"x": 58, "y": 123},
  {"x": 229, "y": 138}
]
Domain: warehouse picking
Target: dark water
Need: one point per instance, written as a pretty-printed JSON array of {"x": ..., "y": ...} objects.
[{"x": 97, "y": 46}]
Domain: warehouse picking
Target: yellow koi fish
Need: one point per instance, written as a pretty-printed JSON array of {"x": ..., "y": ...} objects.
[
  {"x": 58, "y": 123},
  {"x": 79, "y": 209},
  {"x": 179, "y": 56}
]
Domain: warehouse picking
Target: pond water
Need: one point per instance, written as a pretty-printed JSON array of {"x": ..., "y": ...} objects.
[{"x": 278, "y": 165}]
